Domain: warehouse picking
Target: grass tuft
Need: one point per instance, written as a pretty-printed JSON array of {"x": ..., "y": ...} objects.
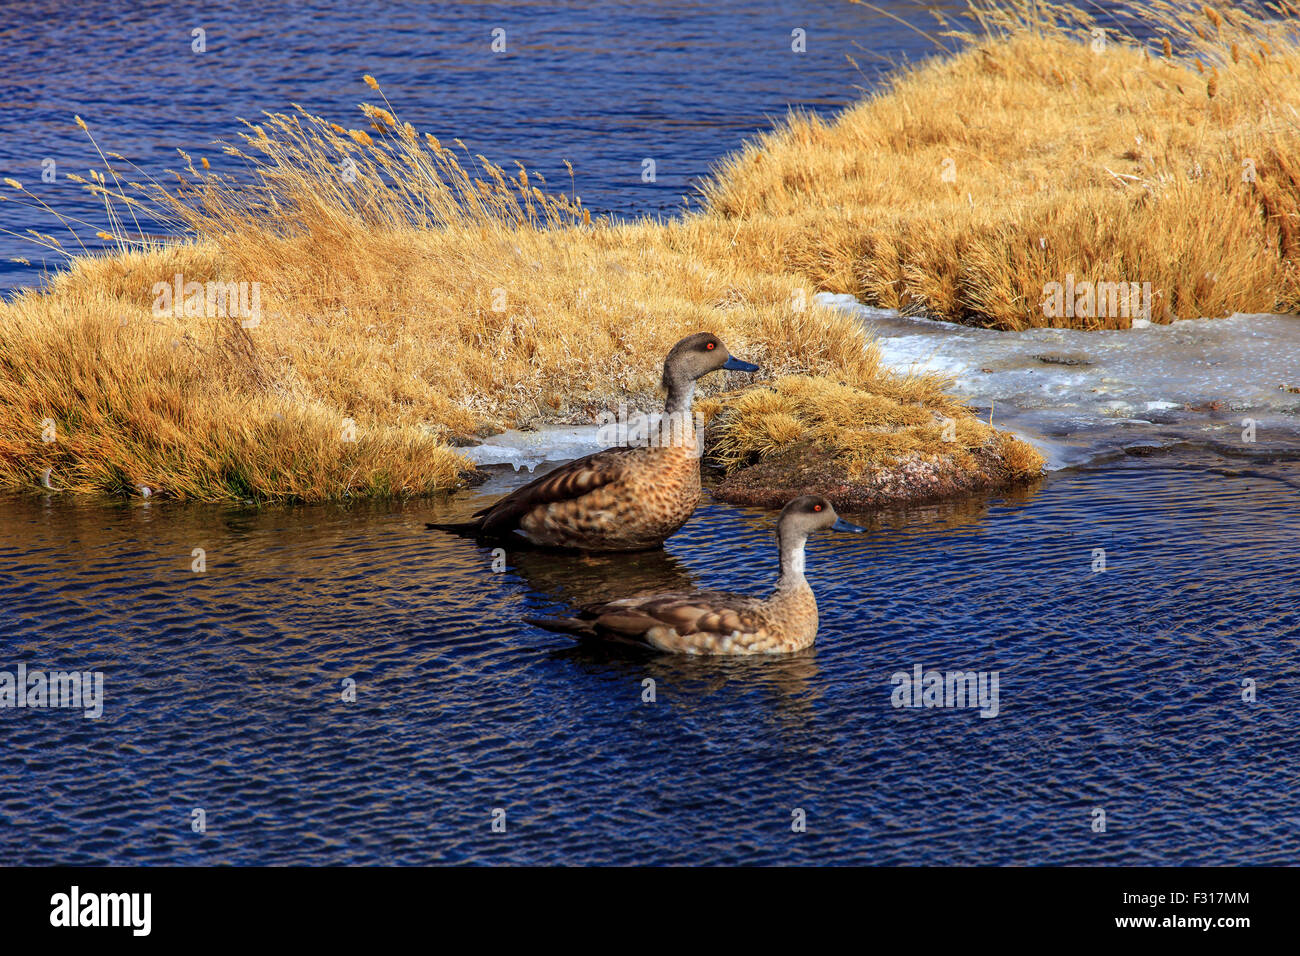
[{"x": 863, "y": 429}]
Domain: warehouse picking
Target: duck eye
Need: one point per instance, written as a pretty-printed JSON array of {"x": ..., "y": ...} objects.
[
  {"x": 709, "y": 346},
  {"x": 817, "y": 507}
]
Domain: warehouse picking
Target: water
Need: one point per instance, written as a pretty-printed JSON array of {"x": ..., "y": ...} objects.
[{"x": 1119, "y": 689}]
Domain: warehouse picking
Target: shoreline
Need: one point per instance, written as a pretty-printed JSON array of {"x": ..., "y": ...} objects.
[{"x": 430, "y": 300}]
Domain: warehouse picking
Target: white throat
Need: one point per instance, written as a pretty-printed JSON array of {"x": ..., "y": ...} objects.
[{"x": 684, "y": 399}]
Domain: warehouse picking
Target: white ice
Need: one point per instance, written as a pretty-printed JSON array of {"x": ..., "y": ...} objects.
[{"x": 1078, "y": 394}]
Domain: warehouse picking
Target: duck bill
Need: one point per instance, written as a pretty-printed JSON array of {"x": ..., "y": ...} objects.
[
  {"x": 842, "y": 525},
  {"x": 736, "y": 365}
]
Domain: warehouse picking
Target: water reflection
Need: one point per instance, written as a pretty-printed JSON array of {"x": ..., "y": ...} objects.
[
  {"x": 964, "y": 513},
  {"x": 788, "y": 684},
  {"x": 581, "y": 579}
]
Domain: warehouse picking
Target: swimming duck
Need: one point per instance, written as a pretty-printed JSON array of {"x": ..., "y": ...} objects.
[
  {"x": 716, "y": 622},
  {"x": 621, "y": 499}
]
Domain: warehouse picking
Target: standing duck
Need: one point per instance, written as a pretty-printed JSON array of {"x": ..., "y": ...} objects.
[
  {"x": 621, "y": 499},
  {"x": 717, "y": 622}
]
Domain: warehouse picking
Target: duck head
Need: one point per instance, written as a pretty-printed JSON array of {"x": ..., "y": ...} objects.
[
  {"x": 800, "y": 518},
  {"x": 692, "y": 358},
  {"x": 809, "y": 513}
]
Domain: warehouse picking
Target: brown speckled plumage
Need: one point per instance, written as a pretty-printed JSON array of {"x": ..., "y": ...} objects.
[
  {"x": 620, "y": 499},
  {"x": 717, "y": 622},
  {"x": 651, "y": 492}
]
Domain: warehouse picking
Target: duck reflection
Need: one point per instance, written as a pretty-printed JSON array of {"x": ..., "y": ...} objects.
[
  {"x": 576, "y": 579},
  {"x": 691, "y": 683}
]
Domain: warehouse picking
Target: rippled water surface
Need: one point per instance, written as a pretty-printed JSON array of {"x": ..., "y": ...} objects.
[
  {"x": 1119, "y": 689},
  {"x": 604, "y": 84}
]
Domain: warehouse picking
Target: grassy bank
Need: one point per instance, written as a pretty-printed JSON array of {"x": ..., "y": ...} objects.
[
  {"x": 423, "y": 301},
  {"x": 414, "y": 296},
  {"x": 1044, "y": 150}
]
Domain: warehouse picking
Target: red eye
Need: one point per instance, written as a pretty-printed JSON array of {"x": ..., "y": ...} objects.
[
  {"x": 709, "y": 346},
  {"x": 817, "y": 507}
]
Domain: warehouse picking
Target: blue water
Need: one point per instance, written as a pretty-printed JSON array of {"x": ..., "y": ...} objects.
[
  {"x": 1118, "y": 689},
  {"x": 602, "y": 84}
]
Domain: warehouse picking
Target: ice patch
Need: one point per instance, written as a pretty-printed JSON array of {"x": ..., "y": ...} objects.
[
  {"x": 528, "y": 449},
  {"x": 1079, "y": 394}
]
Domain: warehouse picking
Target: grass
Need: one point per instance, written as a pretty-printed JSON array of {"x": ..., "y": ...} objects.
[
  {"x": 400, "y": 338},
  {"x": 415, "y": 296},
  {"x": 864, "y": 428}
]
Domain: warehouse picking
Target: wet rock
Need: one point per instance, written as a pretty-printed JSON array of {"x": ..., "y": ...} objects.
[
  {"x": 1063, "y": 358},
  {"x": 1143, "y": 449}
]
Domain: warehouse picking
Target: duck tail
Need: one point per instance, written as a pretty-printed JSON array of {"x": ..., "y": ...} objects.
[
  {"x": 466, "y": 529},
  {"x": 563, "y": 625}
]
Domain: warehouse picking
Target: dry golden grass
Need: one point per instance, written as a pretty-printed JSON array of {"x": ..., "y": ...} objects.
[
  {"x": 1123, "y": 164},
  {"x": 439, "y": 328},
  {"x": 98, "y": 397},
  {"x": 392, "y": 329},
  {"x": 426, "y": 296},
  {"x": 863, "y": 428}
]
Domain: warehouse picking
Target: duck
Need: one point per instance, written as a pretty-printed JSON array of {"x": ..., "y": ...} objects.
[
  {"x": 719, "y": 622},
  {"x": 628, "y": 498}
]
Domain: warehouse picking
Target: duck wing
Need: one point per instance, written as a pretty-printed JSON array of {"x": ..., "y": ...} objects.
[{"x": 571, "y": 480}]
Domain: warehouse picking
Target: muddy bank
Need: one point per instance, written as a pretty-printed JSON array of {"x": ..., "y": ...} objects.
[{"x": 804, "y": 468}]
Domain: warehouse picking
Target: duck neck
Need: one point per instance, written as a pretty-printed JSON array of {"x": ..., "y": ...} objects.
[
  {"x": 677, "y": 427},
  {"x": 680, "y": 395},
  {"x": 792, "y": 557}
]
